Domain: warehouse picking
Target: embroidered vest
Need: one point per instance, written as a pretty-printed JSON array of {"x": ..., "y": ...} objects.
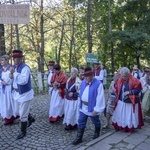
[
  {"x": 27, "y": 87},
  {"x": 93, "y": 87},
  {"x": 71, "y": 87},
  {"x": 1, "y": 72}
]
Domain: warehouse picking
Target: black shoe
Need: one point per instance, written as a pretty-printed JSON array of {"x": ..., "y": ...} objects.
[
  {"x": 74, "y": 127},
  {"x": 97, "y": 132},
  {"x": 95, "y": 136},
  {"x": 68, "y": 127},
  {"x": 77, "y": 141},
  {"x": 79, "y": 136},
  {"x": 30, "y": 121},
  {"x": 51, "y": 121},
  {"x": 21, "y": 135},
  {"x": 8, "y": 123},
  {"x": 116, "y": 129}
]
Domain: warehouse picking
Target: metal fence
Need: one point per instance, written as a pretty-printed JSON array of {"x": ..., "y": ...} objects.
[{"x": 39, "y": 82}]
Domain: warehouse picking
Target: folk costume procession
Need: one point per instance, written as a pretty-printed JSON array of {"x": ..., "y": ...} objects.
[{"x": 76, "y": 97}]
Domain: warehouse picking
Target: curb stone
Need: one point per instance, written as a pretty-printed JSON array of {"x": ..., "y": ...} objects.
[{"x": 89, "y": 144}]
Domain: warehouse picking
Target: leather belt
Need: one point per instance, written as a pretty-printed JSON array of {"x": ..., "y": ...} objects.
[
  {"x": 16, "y": 90},
  {"x": 85, "y": 103}
]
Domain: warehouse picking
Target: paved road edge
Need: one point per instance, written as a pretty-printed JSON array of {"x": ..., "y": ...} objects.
[{"x": 96, "y": 140}]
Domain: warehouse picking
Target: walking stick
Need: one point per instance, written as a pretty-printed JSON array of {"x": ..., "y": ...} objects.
[{"x": 11, "y": 28}]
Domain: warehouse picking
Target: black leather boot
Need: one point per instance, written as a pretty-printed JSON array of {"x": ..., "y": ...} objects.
[
  {"x": 79, "y": 136},
  {"x": 23, "y": 130},
  {"x": 97, "y": 132},
  {"x": 30, "y": 120}
]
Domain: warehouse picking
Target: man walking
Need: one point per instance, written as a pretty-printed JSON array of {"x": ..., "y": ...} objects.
[
  {"x": 92, "y": 104},
  {"x": 22, "y": 91}
]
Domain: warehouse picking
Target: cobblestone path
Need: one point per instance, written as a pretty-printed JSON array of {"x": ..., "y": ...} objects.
[{"x": 43, "y": 135}]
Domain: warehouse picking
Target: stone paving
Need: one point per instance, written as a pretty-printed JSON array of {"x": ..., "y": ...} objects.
[
  {"x": 43, "y": 135},
  {"x": 112, "y": 140}
]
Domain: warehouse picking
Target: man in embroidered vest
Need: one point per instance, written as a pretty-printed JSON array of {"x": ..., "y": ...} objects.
[
  {"x": 22, "y": 91},
  {"x": 51, "y": 71},
  {"x": 92, "y": 104}
]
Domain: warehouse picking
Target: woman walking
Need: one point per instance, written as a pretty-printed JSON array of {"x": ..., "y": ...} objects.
[{"x": 6, "y": 101}]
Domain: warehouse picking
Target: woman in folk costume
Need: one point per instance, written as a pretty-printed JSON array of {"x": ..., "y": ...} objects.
[
  {"x": 58, "y": 82},
  {"x": 111, "y": 100},
  {"x": 71, "y": 107},
  {"x": 6, "y": 101},
  {"x": 127, "y": 114},
  {"x": 146, "y": 91}
]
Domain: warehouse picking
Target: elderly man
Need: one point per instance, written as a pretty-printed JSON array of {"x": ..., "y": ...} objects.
[
  {"x": 71, "y": 100},
  {"x": 92, "y": 104},
  {"x": 22, "y": 90},
  {"x": 127, "y": 114}
]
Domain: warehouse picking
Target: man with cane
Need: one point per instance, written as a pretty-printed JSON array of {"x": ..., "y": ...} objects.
[{"x": 22, "y": 91}]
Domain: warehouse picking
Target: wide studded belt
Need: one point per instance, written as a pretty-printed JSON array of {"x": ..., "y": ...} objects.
[
  {"x": 85, "y": 103},
  {"x": 16, "y": 90}
]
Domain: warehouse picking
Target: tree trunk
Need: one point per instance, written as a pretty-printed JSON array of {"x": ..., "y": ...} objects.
[
  {"x": 42, "y": 38},
  {"x": 138, "y": 61},
  {"x": 111, "y": 44},
  {"x": 17, "y": 36},
  {"x": 2, "y": 40},
  {"x": 72, "y": 35},
  {"x": 60, "y": 44},
  {"x": 89, "y": 35}
]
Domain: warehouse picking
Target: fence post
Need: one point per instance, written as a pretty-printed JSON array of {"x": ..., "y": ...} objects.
[{"x": 40, "y": 83}]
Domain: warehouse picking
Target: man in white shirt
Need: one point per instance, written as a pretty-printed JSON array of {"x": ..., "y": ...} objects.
[
  {"x": 136, "y": 72},
  {"x": 22, "y": 91},
  {"x": 92, "y": 104}
]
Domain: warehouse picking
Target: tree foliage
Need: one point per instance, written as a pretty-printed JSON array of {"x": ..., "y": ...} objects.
[{"x": 119, "y": 33}]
